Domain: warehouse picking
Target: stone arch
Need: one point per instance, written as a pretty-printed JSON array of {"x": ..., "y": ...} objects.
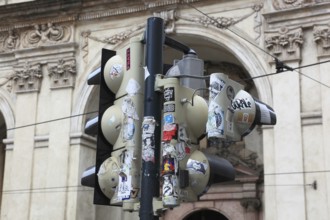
[
  {"x": 7, "y": 120},
  {"x": 238, "y": 47},
  {"x": 6, "y": 109},
  {"x": 193, "y": 213}
]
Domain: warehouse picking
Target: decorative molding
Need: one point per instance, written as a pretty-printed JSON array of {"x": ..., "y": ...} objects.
[
  {"x": 62, "y": 74},
  {"x": 170, "y": 17},
  {"x": 34, "y": 36},
  {"x": 27, "y": 78},
  {"x": 9, "y": 142},
  {"x": 9, "y": 40},
  {"x": 311, "y": 118},
  {"x": 287, "y": 4},
  {"x": 285, "y": 43},
  {"x": 41, "y": 141},
  {"x": 237, "y": 154},
  {"x": 83, "y": 140},
  {"x": 45, "y": 34},
  {"x": 220, "y": 22},
  {"x": 322, "y": 39}
]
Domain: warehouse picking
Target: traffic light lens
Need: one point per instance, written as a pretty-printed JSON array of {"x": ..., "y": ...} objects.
[{"x": 111, "y": 123}]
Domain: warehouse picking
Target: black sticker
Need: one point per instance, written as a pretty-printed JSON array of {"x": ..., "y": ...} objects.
[{"x": 169, "y": 94}]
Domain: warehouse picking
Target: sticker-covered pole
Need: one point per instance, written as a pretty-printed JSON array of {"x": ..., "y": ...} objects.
[{"x": 152, "y": 118}]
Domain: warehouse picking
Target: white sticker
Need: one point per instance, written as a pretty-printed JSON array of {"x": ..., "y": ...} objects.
[
  {"x": 146, "y": 72},
  {"x": 124, "y": 187},
  {"x": 132, "y": 87}
]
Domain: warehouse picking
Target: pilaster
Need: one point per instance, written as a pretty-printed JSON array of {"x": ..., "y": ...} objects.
[
  {"x": 285, "y": 44},
  {"x": 322, "y": 40}
]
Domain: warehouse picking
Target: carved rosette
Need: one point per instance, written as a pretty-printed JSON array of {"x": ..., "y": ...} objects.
[
  {"x": 284, "y": 4},
  {"x": 285, "y": 43},
  {"x": 322, "y": 39},
  {"x": 27, "y": 78},
  {"x": 62, "y": 74}
]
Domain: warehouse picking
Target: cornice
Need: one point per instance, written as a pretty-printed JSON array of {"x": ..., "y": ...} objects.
[
  {"x": 305, "y": 16},
  {"x": 26, "y": 14}
]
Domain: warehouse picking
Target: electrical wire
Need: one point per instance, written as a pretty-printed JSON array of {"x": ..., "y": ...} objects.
[
  {"x": 53, "y": 120},
  {"x": 256, "y": 46},
  {"x": 49, "y": 190}
]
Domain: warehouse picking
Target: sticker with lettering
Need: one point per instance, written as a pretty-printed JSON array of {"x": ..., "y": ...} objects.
[
  {"x": 169, "y": 108},
  {"x": 195, "y": 166},
  {"x": 169, "y": 94},
  {"x": 116, "y": 70},
  {"x": 124, "y": 186},
  {"x": 241, "y": 104}
]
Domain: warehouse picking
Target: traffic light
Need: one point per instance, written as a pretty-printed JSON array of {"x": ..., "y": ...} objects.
[
  {"x": 118, "y": 156},
  {"x": 186, "y": 172},
  {"x": 233, "y": 112}
]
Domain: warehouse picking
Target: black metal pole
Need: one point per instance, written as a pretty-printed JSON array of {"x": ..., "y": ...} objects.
[{"x": 151, "y": 134}]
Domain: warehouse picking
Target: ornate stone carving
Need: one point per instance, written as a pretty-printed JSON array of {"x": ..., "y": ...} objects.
[
  {"x": 236, "y": 154},
  {"x": 285, "y": 43},
  {"x": 220, "y": 22},
  {"x": 322, "y": 39},
  {"x": 62, "y": 74},
  {"x": 27, "y": 78},
  {"x": 46, "y": 34},
  {"x": 251, "y": 204},
  {"x": 286, "y": 4},
  {"x": 9, "y": 40},
  {"x": 169, "y": 20}
]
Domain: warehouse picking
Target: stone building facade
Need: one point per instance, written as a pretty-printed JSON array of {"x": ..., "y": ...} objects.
[{"x": 48, "y": 48}]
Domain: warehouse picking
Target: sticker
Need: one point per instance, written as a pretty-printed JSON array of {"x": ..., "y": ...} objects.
[
  {"x": 128, "y": 129},
  {"x": 134, "y": 192},
  {"x": 216, "y": 85},
  {"x": 146, "y": 72},
  {"x": 128, "y": 108},
  {"x": 168, "y": 149},
  {"x": 124, "y": 186},
  {"x": 132, "y": 87},
  {"x": 169, "y": 132},
  {"x": 169, "y": 94},
  {"x": 182, "y": 134},
  {"x": 128, "y": 157},
  {"x": 169, "y": 108},
  {"x": 244, "y": 117},
  {"x": 148, "y": 149},
  {"x": 169, "y": 186},
  {"x": 180, "y": 150},
  {"x": 148, "y": 125},
  {"x": 169, "y": 119},
  {"x": 116, "y": 70},
  {"x": 241, "y": 104},
  {"x": 168, "y": 166},
  {"x": 128, "y": 58},
  {"x": 195, "y": 166},
  {"x": 215, "y": 122},
  {"x": 230, "y": 92}
]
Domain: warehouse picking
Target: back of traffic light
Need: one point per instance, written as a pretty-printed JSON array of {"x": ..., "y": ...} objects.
[
  {"x": 118, "y": 154},
  {"x": 186, "y": 171},
  {"x": 233, "y": 112}
]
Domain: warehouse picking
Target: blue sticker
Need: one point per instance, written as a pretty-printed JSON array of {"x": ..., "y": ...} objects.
[{"x": 169, "y": 119}]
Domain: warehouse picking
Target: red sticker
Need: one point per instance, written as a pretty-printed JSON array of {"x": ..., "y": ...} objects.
[{"x": 128, "y": 58}]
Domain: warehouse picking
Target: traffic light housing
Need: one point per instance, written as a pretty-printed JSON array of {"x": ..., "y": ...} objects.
[
  {"x": 118, "y": 154},
  {"x": 186, "y": 171},
  {"x": 233, "y": 112}
]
